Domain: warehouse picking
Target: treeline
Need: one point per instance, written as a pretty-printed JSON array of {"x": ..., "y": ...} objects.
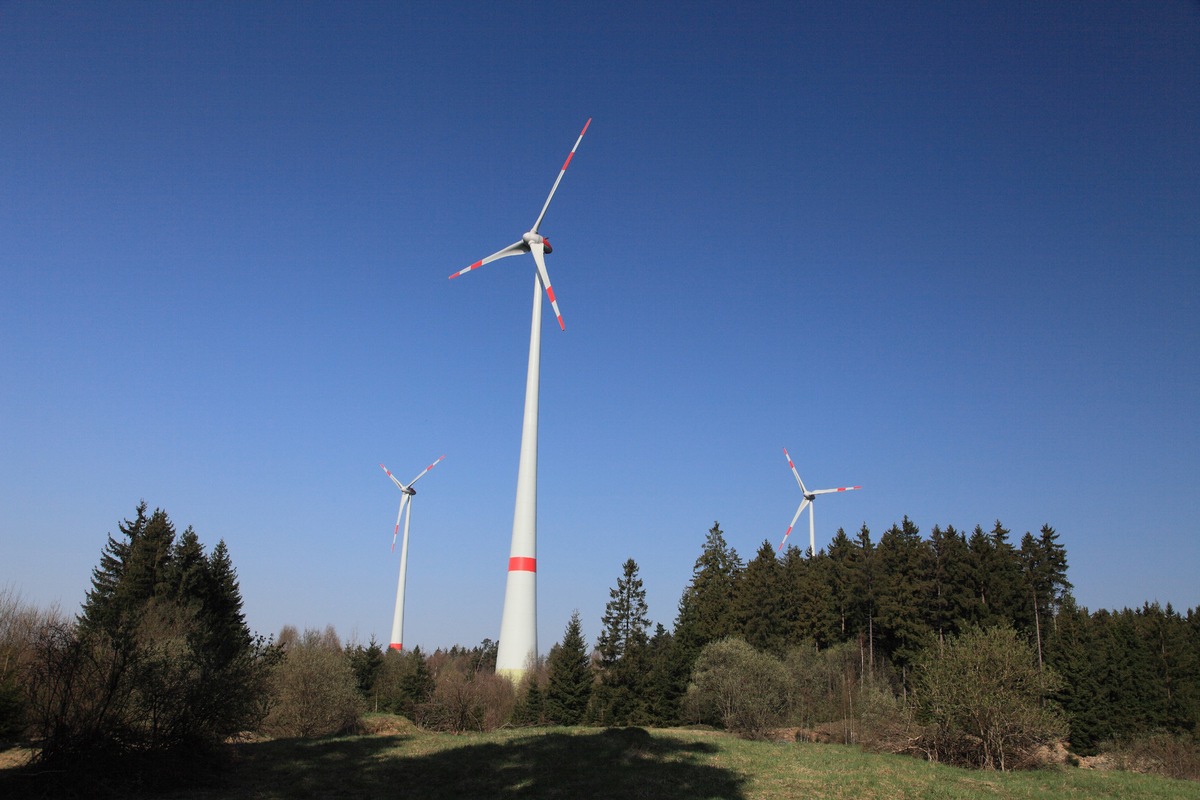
[
  {"x": 957, "y": 647},
  {"x": 1123, "y": 674}
]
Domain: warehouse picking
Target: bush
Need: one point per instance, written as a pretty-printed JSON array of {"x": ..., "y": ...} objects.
[
  {"x": 738, "y": 687},
  {"x": 1171, "y": 756},
  {"x": 985, "y": 701},
  {"x": 404, "y": 682},
  {"x": 314, "y": 691},
  {"x": 19, "y": 627},
  {"x": 465, "y": 700}
]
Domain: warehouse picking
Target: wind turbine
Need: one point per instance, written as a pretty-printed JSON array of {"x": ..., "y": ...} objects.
[
  {"x": 808, "y": 501},
  {"x": 518, "y": 622},
  {"x": 406, "y": 497}
]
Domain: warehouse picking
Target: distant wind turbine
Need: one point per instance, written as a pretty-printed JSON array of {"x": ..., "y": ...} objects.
[
  {"x": 808, "y": 501},
  {"x": 518, "y": 623},
  {"x": 406, "y": 496}
]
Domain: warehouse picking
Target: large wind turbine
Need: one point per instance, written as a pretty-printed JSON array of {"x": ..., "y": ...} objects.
[
  {"x": 518, "y": 623},
  {"x": 808, "y": 501},
  {"x": 406, "y": 496}
]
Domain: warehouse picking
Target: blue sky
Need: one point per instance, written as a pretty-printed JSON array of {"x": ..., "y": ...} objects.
[{"x": 948, "y": 252}]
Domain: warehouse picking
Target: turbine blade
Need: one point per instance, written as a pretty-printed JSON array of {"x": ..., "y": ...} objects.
[
  {"x": 539, "y": 258},
  {"x": 403, "y": 499},
  {"x": 799, "y": 511},
  {"x": 393, "y": 477},
  {"x": 561, "y": 172},
  {"x": 839, "y": 489},
  {"x": 431, "y": 466},
  {"x": 514, "y": 249},
  {"x": 799, "y": 482}
]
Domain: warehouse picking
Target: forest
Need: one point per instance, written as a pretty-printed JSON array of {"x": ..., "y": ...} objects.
[{"x": 956, "y": 647}]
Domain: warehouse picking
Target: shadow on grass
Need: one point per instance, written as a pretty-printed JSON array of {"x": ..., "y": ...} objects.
[{"x": 612, "y": 763}]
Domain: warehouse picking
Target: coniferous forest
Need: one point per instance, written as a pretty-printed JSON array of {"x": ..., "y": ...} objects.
[{"x": 958, "y": 647}]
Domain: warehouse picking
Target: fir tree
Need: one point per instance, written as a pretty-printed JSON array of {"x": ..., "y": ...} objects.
[
  {"x": 758, "y": 602},
  {"x": 619, "y": 697},
  {"x": 706, "y": 608},
  {"x": 905, "y": 587},
  {"x": 951, "y": 592},
  {"x": 569, "y": 682}
]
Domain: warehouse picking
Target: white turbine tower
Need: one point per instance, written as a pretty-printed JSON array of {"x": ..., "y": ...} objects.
[
  {"x": 518, "y": 623},
  {"x": 808, "y": 501},
  {"x": 406, "y": 496}
]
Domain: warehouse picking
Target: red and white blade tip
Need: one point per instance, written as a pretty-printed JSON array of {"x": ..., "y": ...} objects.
[
  {"x": 785, "y": 537},
  {"x": 465, "y": 270}
]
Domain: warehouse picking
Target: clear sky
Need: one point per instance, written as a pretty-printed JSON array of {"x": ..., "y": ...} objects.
[{"x": 947, "y": 251}]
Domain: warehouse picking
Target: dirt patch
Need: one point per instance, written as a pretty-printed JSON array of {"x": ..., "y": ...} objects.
[{"x": 15, "y": 757}]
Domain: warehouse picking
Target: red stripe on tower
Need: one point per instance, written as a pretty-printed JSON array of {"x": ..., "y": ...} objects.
[{"x": 522, "y": 564}]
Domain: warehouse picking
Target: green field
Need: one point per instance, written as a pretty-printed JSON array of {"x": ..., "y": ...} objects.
[
  {"x": 672, "y": 764},
  {"x": 631, "y": 763}
]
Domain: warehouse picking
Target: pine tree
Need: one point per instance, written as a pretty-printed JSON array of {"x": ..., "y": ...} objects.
[
  {"x": 839, "y": 576},
  {"x": 662, "y": 690},
  {"x": 808, "y": 613},
  {"x": 530, "y": 707},
  {"x": 619, "y": 698},
  {"x": 173, "y": 664},
  {"x": 863, "y": 581},
  {"x": 367, "y": 662},
  {"x": 569, "y": 682},
  {"x": 951, "y": 591},
  {"x": 625, "y": 621},
  {"x": 758, "y": 602},
  {"x": 706, "y": 608},
  {"x": 905, "y": 588}
]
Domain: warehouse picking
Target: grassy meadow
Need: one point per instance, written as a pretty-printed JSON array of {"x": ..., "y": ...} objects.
[{"x": 670, "y": 764}]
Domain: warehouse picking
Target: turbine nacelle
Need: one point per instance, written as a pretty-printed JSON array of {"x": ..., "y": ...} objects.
[
  {"x": 536, "y": 238},
  {"x": 809, "y": 501},
  {"x": 533, "y": 242}
]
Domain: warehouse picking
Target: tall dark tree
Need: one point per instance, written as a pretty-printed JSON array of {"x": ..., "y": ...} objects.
[
  {"x": 625, "y": 621},
  {"x": 840, "y": 577},
  {"x": 807, "y": 600},
  {"x": 950, "y": 600},
  {"x": 569, "y": 680},
  {"x": 759, "y": 612},
  {"x": 864, "y": 592},
  {"x": 905, "y": 587},
  {"x": 162, "y": 659},
  {"x": 1044, "y": 568},
  {"x": 619, "y": 697},
  {"x": 367, "y": 663},
  {"x": 662, "y": 688},
  {"x": 706, "y": 608}
]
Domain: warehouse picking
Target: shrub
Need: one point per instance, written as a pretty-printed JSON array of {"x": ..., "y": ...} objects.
[
  {"x": 986, "y": 701},
  {"x": 738, "y": 687},
  {"x": 1173, "y": 756},
  {"x": 465, "y": 700},
  {"x": 314, "y": 691}
]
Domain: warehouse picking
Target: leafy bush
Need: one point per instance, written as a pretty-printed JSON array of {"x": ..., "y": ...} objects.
[
  {"x": 738, "y": 687},
  {"x": 314, "y": 690},
  {"x": 986, "y": 701}
]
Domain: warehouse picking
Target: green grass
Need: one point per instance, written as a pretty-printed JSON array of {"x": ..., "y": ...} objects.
[{"x": 630, "y": 763}]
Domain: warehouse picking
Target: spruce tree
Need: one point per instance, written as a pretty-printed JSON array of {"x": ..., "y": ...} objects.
[
  {"x": 706, "y": 608},
  {"x": 569, "y": 680},
  {"x": 761, "y": 618},
  {"x": 905, "y": 588},
  {"x": 619, "y": 697},
  {"x": 950, "y": 602}
]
